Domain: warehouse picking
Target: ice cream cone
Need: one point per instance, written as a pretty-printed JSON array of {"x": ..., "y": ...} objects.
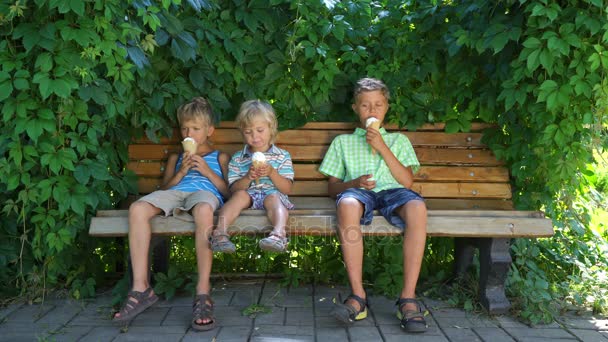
[
  {"x": 258, "y": 160},
  {"x": 375, "y": 124},
  {"x": 189, "y": 145}
]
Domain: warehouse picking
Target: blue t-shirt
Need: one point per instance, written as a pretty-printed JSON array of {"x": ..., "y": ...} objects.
[{"x": 194, "y": 181}]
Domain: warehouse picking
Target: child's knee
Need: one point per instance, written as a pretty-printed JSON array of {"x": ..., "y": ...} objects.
[
  {"x": 413, "y": 208},
  {"x": 349, "y": 204},
  {"x": 202, "y": 208}
]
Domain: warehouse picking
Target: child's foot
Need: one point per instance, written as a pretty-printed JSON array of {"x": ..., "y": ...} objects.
[
  {"x": 202, "y": 313},
  {"x": 274, "y": 243},
  {"x": 135, "y": 304},
  {"x": 221, "y": 243}
]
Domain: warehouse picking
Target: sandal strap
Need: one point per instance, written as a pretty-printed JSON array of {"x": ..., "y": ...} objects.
[
  {"x": 202, "y": 306},
  {"x": 362, "y": 303},
  {"x": 281, "y": 238},
  {"x": 401, "y": 302}
]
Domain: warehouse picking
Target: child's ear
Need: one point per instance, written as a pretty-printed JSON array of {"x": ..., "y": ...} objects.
[{"x": 210, "y": 131}]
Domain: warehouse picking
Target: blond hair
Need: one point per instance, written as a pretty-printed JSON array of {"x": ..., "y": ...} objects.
[
  {"x": 253, "y": 109},
  {"x": 371, "y": 84},
  {"x": 197, "y": 109}
]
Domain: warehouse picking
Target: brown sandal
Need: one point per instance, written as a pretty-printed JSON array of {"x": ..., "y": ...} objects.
[
  {"x": 132, "y": 308},
  {"x": 202, "y": 309}
]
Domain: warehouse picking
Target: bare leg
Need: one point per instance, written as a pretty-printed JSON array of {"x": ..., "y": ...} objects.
[
  {"x": 203, "y": 219},
  {"x": 240, "y": 200},
  {"x": 415, "y": 216},
  {"x": 277, "y": 213},
  {"x": 140, "y": 233},
  {"x": 349, "y": 213}
]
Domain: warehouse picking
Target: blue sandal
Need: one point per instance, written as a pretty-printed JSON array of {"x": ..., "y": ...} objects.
[
  {"x": 412, "y": 321},
  {"x": 348, "y": 314}
]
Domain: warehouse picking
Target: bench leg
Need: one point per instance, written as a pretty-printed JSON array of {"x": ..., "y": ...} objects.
[
  {"x": 495, "y": 262},
  {"x": 160, "y": 254},
  {"x": 464, "y": 250}
]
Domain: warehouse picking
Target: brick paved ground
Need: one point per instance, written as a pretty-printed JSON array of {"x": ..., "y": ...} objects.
[{"x": 296, "y": 314}]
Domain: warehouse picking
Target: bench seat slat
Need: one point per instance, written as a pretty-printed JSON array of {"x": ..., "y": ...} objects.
[{"x": 439, "y": 224}]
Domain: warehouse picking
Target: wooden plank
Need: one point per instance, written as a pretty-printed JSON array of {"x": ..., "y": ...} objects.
[
  {"x": 325, "y": 137},
  {"x": 427, "y": 190},
  {"x": 315, "y": 153},
  {"x": 438, "y": 225},
  {"x": 346, "y": 127},
  {"x": 310, "y": 172}
]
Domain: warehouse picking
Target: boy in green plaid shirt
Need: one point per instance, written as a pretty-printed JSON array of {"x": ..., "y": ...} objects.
[{"x": 369, "y": 170}]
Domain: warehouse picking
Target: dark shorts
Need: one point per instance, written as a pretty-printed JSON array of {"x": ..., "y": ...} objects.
[{"x": 385, "y": 201}]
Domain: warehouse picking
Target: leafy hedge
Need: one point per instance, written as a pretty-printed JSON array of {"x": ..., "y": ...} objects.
[{"x": 79, "y": 79}]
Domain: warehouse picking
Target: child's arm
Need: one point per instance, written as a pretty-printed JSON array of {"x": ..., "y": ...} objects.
[
  {"x": 199, "y": 164},
  {"x": 171, "y": 177},
  {"x": 337, "y": 185},
  {"x": 244, "y": 182},
  {"x": 402, "y": 174},
  {"x": 282, "y": 184},
  {"x": 224, "y": 158}
]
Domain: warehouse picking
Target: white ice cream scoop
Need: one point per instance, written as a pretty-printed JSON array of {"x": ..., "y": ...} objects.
[
  {"x": 375, "y": 124},
  {"x": 189, "y": 145},
  {"x": 258, "y": 159}
]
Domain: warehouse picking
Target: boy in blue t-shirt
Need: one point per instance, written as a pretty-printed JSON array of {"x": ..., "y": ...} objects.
[{"x": 192, "y": 182}]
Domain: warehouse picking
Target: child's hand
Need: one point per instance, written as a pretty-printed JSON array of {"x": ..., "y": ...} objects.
[
  {"x": 200, "y": 165},
  {"x": 374, "y": 138},
  {"x": 265, "y": 171},
  {"x": 366, "y": 182},
  {"x": 186, "y": 163}
]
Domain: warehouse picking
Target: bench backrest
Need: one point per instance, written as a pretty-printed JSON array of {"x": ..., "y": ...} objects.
[{"x": 457, "y": 170}]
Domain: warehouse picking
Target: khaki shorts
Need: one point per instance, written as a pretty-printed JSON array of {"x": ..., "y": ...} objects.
[{"x": 178, "y": 203}]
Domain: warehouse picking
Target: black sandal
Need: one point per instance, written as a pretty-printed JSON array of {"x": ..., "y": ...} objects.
[
  {"x": 202, "y": 309},
  {"x": 348, "y": 314},
  {"x": 412, "y": 321},
  {"x": 136, "y": 303}
]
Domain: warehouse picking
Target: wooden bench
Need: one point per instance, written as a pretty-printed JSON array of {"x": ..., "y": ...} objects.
[{"x": 467, "y": 191}]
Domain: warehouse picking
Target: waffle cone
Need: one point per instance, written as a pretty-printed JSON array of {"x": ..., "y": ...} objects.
[
  {"x": 375, "y": 125},
  {"x": 189, "y": 146}
]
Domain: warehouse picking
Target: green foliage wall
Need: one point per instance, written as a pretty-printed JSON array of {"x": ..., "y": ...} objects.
[{"x": 79, "y": 78}]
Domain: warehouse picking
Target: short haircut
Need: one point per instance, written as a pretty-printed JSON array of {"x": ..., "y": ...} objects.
[
  {"x": 197, "y": 109},
  {"x": 370, "y": 84},
  {"x": 253, "y": 109}
]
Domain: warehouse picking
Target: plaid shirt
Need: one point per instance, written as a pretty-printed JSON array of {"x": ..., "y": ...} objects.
[
  {"x": 350, "y": 157},
  {"x": 276, "y": 157}
]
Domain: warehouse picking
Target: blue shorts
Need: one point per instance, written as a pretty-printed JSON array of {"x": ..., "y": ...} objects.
[{"x": 386, "y": 201}]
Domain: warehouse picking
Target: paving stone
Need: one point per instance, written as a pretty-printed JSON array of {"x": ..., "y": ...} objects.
[
  {"x": 204, "y": 336},
  {"x": 299, "y": 316},
  {"x": 68, "y": 333},
  {"x": 331, "y": 334},
  {"x": 178, "y": 315},
  {"x": 21, "y": 337},
  {"x": 236, "y": 333},
  {"x": 231, "y": 316},
  {"x": 545, "y": 339},
  {"x": 282, "y": 333},
  {"x": 246, "y": 297},
  {"x": 589, "y": 335},
  {"x": 523, "y": 333},
  {"x": 359, "y": 333},
  {"x": 5, "y": 311},
  {"x": 395, "y": 329},
  {"x": 585, "y": 323},
  {"x": 327, "y": 322},
  {"x": 446, "y": 312},
  {"x": 509, "y": 322},
  {"x": 153, "y": 316},
  {"x": 415, "y": 338},
  {"x": 461, "y": 335},
  {"x": 148, "y": 337},
  {"x": 276, "y": 317},
  {"x": 29, "y": 328},
  {"x": 100, "y": 334},
  {"x": 464, "y": 322},
  {"x": 94, "y": 315},
  {"x": 29, "y": 313},
  {"x": 62, "y": 312},
  {"x": 493, "y": 335},
  {"x": 323, "y": 305}
]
